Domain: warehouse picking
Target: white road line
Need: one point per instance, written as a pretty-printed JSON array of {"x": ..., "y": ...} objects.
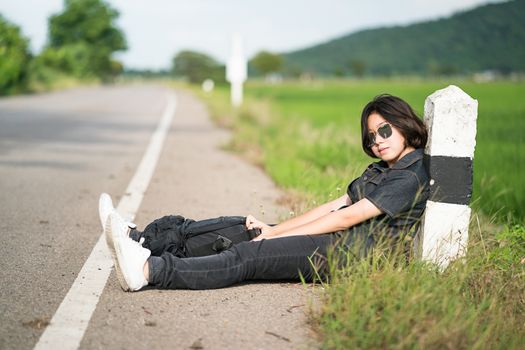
[{"x": 68, "y": 325}]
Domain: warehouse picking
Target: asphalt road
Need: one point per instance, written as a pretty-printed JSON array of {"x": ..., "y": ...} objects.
[{"x": 58, "y": 152}]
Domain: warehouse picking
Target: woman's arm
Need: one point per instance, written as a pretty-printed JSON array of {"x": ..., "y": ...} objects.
[
  {"x": 300, "y": 220},
  {"x": 331, "y": 221}
]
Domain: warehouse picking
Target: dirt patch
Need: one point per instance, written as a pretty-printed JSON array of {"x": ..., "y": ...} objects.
[{"x": 37, "y": 323}]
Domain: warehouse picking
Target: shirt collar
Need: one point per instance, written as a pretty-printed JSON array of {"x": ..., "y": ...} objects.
[{"x": 409, "y": 159}]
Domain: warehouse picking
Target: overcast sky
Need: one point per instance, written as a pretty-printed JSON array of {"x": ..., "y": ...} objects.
[{"x": 157, "y": 29}]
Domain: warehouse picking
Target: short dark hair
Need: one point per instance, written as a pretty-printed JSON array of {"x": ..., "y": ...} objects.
[{"x": 400, "y": 115}]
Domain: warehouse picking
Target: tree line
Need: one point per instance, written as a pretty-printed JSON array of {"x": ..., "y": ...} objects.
[
  {"x": 196, "y": 66},
  {"x": 81, "y": 42}
]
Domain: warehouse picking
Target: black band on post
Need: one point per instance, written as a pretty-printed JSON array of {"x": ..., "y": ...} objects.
[{"x": 451, "y": 179}]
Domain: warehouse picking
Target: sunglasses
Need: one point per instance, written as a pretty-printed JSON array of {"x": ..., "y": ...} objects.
[{"x": 385, "y": 131}]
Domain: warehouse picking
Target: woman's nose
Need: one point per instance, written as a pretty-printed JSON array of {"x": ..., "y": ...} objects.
[{"x": 379, "y": 139}]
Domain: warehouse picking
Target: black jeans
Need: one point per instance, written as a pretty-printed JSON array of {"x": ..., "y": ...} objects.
[
  {"x": 269, "y": 259},
  {"x": 286, "y": 258}
]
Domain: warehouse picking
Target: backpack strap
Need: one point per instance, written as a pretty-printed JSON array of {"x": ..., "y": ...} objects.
[
  {"x": 208, "y": 225},
  {"x": 221, "y": 243}
]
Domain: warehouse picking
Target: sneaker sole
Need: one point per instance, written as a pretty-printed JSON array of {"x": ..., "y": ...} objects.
[
  {"x": 114, "y": 249},
  {"x": 108, "y": 232},
  {"x": 103, "y": 203}
]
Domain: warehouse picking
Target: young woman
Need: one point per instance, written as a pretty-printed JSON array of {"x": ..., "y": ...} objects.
[{"x": 385, "y": 202}]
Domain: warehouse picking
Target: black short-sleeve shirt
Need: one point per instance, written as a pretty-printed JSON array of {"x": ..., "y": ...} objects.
[{"x": 399, "y": 192}]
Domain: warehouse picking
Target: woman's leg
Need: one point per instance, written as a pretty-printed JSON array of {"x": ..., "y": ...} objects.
[{"x": 271, "y": 259}]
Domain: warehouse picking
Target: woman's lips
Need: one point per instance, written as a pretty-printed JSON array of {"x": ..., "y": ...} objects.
[{"x": 381, "y": 150}]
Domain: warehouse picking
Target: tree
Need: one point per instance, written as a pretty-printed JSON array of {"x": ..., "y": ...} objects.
[
  {"x": 266, "y": 62},
  {"x": 83, "y": 37},
  {"x": 441, "y": 69},
  {"x": 197, "y": 67},
  {"x": 357, "y": 67},
  {"x": 14, "y": 58},
  {"x": 339, "y": 71}
]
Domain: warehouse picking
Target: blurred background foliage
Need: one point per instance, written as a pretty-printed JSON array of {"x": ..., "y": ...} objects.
[
  {"x": 81, "y": 42},
  {"x": 197, "y": 67},
  {"x": 266, "y": 62},
  {"x": 15, "y": 58},
  {"x": 83, "y": 38}
]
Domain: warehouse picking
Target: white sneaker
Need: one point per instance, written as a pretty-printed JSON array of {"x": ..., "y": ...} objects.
[
  {"x": 128, "y": 255},
  {"x": 105, "y": 207}
]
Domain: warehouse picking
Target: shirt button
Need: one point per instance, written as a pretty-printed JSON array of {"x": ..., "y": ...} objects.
[{"x": 365, "y": 178}]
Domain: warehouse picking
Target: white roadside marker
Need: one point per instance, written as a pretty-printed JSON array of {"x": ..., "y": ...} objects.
[
  {"x": 451, "y": 116},
  {"x": 68, "y": 325}
]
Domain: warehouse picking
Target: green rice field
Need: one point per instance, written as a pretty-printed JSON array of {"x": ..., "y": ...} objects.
[{"x": 313, "y": 128}]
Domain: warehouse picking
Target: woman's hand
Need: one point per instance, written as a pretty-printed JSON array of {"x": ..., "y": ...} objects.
[{"x": 252, "y": 222}]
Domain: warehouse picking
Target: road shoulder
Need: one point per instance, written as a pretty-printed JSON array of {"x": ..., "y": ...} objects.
[{"x": 196, "y": 179}]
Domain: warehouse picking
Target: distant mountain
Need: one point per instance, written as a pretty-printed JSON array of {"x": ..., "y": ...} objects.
[{"x": 489, "y": 37}]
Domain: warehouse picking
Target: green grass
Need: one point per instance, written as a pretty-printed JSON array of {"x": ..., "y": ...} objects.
[
  {"x": 306, "y": 136},
  {"x": 477, "y": 303}
]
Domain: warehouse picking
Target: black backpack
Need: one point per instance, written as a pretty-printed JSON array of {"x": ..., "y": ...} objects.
[{"x": 187, "y": 238}]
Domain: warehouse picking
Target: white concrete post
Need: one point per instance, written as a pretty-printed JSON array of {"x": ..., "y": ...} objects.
[
  {"x": 450, "y": 115},
  {"x": 236, "y": 71}
]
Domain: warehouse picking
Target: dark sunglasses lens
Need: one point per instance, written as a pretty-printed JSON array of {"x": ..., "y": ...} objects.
[{"x": 385, "y": 131}]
